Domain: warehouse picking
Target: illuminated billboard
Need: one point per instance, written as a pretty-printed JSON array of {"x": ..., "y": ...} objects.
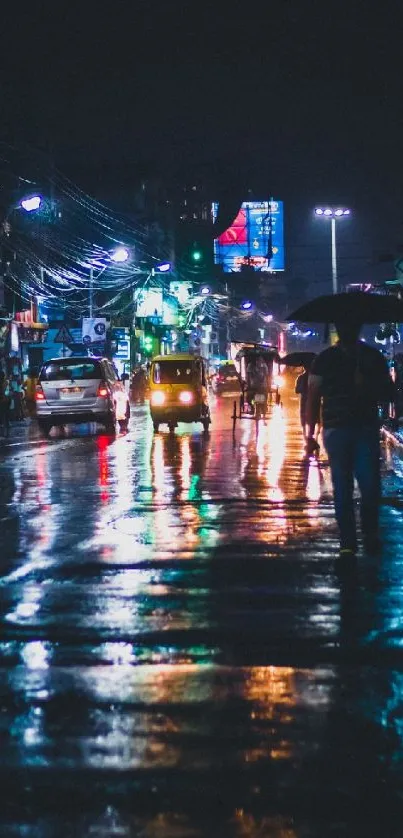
[
  {"x": 255, "y": 238},
  {"x": 149, "y": 302},
  {"x": 182, "y": 290}
]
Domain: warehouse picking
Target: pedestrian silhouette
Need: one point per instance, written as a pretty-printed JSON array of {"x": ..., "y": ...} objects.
[{"x": 351, "y": 379}]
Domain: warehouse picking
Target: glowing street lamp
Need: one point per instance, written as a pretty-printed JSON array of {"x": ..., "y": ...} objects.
[
  {"x": 334, "y": 214},
  {"x": 163, "y": 268},
  {"x": 205, "y": 290},
  {"x": 31, "y": 204},
  {"x": 28, "y": 204},
  {"x": 246, "y": 305},
  {"x": 121, "y": 254},
  {"x": 328, "y": 212}
]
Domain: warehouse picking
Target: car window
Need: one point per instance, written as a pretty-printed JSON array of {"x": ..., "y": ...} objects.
[
  {"x": 227, "y": 370},
  {"x": 173, "y": 372},
  {"x": 70, "y": 370}
]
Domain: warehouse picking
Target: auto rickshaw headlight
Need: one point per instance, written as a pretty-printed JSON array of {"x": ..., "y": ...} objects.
[
  {"x": 157, "y": 398},
  {"x": 186, "y": 397}
]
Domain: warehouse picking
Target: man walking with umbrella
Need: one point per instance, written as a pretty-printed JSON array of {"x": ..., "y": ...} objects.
[{"x": 351, "y": 379}]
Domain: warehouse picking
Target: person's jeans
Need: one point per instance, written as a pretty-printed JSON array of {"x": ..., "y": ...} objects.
[{"x": 355, "y": 452}]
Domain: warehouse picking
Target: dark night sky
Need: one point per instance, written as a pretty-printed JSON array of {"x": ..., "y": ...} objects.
[{"x": 297, "y": 98}]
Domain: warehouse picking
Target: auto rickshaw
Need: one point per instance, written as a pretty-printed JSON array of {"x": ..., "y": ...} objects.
[
  {"x": 253, "y": 402},
  {"x": 178, "y": 390}
]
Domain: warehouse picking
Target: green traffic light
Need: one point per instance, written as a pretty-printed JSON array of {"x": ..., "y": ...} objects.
[
  {"x": 196, "y": 255},
  {"x": 147, "y": 343}
]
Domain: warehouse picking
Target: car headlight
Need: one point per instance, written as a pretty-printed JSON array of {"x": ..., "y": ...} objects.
[
  {"x": 157, "y": 398},
  {"x": 185, "y": 397}
]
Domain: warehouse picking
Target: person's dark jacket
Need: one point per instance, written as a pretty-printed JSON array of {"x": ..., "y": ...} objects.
[{"x": 355, "y": 380}]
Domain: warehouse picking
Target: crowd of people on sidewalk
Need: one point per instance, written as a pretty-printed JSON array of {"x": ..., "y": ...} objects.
[{"x": 17, "y": 394}]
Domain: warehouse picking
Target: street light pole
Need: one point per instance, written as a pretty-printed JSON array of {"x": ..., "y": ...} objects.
[
  {"x": 29, "y": 205},
  {"x": 333, "y": 214},
  {"x": 334, "y": 256},
  {"x": 91, "y": 291},
  {"x": 119, "y": 255}
]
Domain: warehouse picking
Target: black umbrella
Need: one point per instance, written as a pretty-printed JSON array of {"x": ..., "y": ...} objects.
[
  {"x": 355, "y": 307},
  {"x": 298, "y": 359}
]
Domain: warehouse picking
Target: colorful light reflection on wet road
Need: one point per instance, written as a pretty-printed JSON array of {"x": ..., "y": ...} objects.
[{"x": 178, "y": 655}]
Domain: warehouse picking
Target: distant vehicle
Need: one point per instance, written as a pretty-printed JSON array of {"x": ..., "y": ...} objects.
[
  {"x": 74, "y": 390},
  {"x": 226, "y": 380},
  {"x": 255, "y": 400},
  {"x": 178, "y": 391}
]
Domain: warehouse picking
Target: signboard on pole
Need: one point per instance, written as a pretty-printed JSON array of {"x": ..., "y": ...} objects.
[
  {"x": 15, "y": 340},
  {"x": 182, "y": 290},
  {"x": 122, "y": 350},
  {"x": 149, "y": 303},
  {"x": 63, "y": 336},
  {"x": 94, "y": 330}
]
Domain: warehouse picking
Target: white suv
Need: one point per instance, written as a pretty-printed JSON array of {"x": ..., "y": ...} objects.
[{"x": 80, "y": 390}]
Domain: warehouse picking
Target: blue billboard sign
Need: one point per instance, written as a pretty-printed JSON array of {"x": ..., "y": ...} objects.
[{"x": 255, "y": 238}]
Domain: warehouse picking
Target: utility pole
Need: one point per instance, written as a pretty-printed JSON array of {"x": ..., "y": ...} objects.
[
  {"x": 334, "y": 257},
  {"x": 2, "y": 301},
  {"x": 228, "y": 323},
  {"x": 91, "y": 291},
  {"x": 334, "y": 214}
]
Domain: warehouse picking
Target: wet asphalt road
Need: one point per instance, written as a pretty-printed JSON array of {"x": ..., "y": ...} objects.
[{"x": 178, "y": 656}]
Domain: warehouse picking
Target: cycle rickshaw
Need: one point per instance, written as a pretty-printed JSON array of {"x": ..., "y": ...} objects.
[{"x": 255, "y": 402}]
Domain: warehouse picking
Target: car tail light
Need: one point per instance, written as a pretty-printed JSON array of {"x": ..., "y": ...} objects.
[
  {"x": 39, "y": 394},
  {"x": 157, "y": 398},
  {"x": 102, "y": 391},
  {"x": 185, "y": 397}
]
